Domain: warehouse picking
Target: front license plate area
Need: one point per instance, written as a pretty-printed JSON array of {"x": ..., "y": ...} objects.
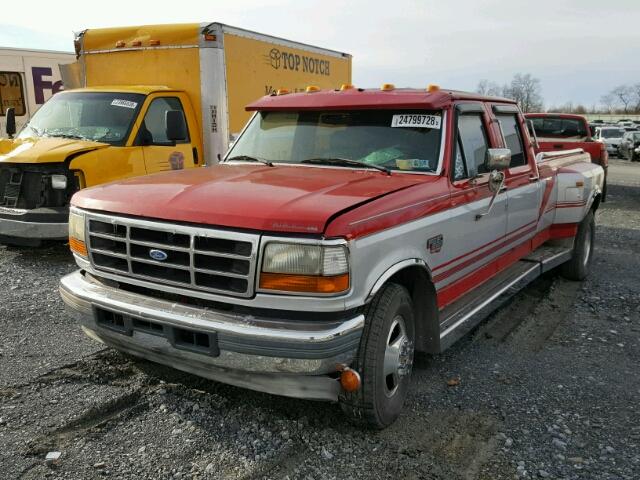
[{"x": 196, "y": 341}]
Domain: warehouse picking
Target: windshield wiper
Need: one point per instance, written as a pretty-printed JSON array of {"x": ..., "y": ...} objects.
[
  {"x": 345, "y": 162},
  {"x": 248, "y": 158},
  {"x": 65, "y": 135}
]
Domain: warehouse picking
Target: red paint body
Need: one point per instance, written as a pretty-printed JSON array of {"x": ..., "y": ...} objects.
[
  {"x": 336, "y": 202},
  {"x": 597, "y": 150}
]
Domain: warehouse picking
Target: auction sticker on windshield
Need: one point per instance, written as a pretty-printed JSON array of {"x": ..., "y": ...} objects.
[
  {"x": 416, "y": 121},
  {"x": 124, "y": 103}
]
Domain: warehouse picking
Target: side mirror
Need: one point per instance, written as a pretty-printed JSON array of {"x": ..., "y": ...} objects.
[
  {"x": 592, "y": 131},
  {"x": 11, "y": 122},
  {"x": 498, "y": 159},
  {"x": 175, "y": 125}
]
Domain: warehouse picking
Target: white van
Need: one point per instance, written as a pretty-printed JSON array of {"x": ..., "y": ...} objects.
[{"x": 28, "y": 78}]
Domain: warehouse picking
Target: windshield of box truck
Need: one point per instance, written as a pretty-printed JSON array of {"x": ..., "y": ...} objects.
[
  {"x": 97, "y": 116},
  {"x": 383, "y": 139}
]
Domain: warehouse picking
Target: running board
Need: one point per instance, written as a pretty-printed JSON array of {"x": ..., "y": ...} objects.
[{"x": 465, "y": 313}]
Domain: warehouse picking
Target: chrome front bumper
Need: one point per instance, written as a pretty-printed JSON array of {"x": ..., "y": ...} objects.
[
  {"x": 15, "y": 222},
  {"x": 279, "y": 356}
]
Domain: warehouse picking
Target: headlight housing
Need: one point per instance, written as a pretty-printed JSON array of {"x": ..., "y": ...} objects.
[
  {"x": 76, "y": 233},
  {"x": 59, "y": 182},
  {"x": 305, "y": 268}
]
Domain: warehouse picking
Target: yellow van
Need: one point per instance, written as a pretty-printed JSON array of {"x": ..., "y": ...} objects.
[{"x": 148, "y": 99}]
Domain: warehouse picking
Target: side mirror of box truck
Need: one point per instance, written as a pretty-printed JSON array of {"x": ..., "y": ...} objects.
[
  {"x": 176, "y": 125},
  {"x": 11, "y": 122}
]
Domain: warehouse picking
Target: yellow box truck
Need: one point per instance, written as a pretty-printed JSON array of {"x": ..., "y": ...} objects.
[{"x": 141, "y": 100}]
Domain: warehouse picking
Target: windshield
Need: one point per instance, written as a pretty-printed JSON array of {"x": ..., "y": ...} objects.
[
  {"x": 611, "y": 133},
  {"x": 97, "y": 116},
  {"x": 395, "y": 140},
  {"x": 559, "y": 127}
]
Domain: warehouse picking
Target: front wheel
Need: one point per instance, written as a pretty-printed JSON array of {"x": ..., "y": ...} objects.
[
  {"x": 384, "y": 359},
  {"x": 577, "y": 268}
]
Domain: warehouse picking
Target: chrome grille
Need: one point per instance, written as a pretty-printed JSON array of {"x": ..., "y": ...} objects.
[{"x": 198, "y": 258}]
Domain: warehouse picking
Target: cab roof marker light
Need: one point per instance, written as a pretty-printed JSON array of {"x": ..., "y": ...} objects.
[
  {"x": 312, "y": 88},
  {"x": 387, "y": 87},
  {"x": 346, "y": 86},
  {"x": 136, "y": 43},
  {"x": 282, "y": 91},
  {"x": 210, "y": 37},
  {"x": 432, "y": 87},
  {"x": 154, "y": 43},
  {"x": 120, "y": 44}
]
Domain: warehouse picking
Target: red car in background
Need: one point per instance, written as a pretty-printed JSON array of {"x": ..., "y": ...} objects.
[{"x": 565, "y": 131}]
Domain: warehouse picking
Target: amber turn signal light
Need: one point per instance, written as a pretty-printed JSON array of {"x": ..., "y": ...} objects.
[
  {"x": 77, "y": 246},
  {"x": 304, "y": 283},
  {"x": 350, "y": 380}
]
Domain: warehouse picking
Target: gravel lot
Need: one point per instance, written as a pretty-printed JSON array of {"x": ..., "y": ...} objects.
[{"x": 548, "y": 388}]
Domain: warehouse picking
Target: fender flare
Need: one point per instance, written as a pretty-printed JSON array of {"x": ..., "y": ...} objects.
[{"x": 395, "y": 268}]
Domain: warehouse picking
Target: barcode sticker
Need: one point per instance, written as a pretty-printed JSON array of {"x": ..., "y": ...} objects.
[
  {"x": 416, "y": 121},
  {"x": 124, "y": 103}
]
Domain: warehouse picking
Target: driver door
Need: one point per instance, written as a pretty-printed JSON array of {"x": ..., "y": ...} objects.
[
  {"x": 476, "y": 238},
  {"x": 159, "y": 153}
]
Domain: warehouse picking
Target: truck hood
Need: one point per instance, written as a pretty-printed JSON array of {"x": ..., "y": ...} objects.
[
  {"x": 44, "y": 149},
  {"x": 277, "y": 199}
]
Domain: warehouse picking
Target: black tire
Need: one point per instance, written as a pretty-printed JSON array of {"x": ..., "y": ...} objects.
[
  {"x": 578, "y": 267},
  {"x": 379, "y": 400}
]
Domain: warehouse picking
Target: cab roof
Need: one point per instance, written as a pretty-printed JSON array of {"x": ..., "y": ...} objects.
[
  {"x": 359, "y": 98},
  {"x": 143, "y": 89}
]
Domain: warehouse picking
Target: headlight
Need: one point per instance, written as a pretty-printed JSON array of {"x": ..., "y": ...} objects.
[
  {"x": 638, "y": 150},
  {"x": 294, "y": 267},
  {"x": 59, "y": 182},
  {"x": 76, "y": 233}
]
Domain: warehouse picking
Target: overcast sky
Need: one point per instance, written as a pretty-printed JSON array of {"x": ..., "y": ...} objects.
[{"x": 579, "y": 49}]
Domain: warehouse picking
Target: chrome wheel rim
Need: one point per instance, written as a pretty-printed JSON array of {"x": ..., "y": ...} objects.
[
  {"x": 398, "y": 356},
  {"x": 587, "y": 248}
]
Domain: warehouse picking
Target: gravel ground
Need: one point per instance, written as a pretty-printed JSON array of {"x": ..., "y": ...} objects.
[{"x": 547, "y": 388}]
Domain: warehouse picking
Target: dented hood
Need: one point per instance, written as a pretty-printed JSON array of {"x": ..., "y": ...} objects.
[
  {"x": 278, "y": 199},
  {"x": 44, "y": 149}
]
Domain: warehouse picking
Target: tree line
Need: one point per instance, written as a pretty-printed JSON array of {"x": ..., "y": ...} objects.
[
  {"x": 523, "y": 88},
  {"x": 527, "y": 91}
]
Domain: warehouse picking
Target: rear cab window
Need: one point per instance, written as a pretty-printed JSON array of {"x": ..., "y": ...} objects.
[
  {"x": 512, "y": 135},
  {"x": 558, "y": 127}
]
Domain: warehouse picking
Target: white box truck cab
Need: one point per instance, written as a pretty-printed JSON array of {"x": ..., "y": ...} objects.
[{"x": 28, "y": 78}]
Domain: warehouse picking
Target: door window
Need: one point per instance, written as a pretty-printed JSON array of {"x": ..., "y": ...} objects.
[
  {"x": 12, "y": 93},
  {"x": 471, "y": 147},
  {"x": 513, "y": 139},
  {"x": 153, "y": 128}
]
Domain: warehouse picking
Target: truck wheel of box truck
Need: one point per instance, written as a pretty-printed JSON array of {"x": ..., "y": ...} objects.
[
  {"x": 384, "y": 359},
  {"x": 578, "y": 267}
]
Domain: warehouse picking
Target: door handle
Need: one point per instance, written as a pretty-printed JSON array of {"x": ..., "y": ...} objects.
[
  {"x": 195, "y": 156},
  {"x": 558, "y": 145},
  {"x": 533, "y": 178}
]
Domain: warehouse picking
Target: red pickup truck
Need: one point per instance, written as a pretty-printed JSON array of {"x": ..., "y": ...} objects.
[
  {"x": 564, "y": 131},
  {"x": 342, "y": 231}
]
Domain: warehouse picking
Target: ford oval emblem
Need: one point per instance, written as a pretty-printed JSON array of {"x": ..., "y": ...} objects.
[{"x": 158, "y": 255}]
